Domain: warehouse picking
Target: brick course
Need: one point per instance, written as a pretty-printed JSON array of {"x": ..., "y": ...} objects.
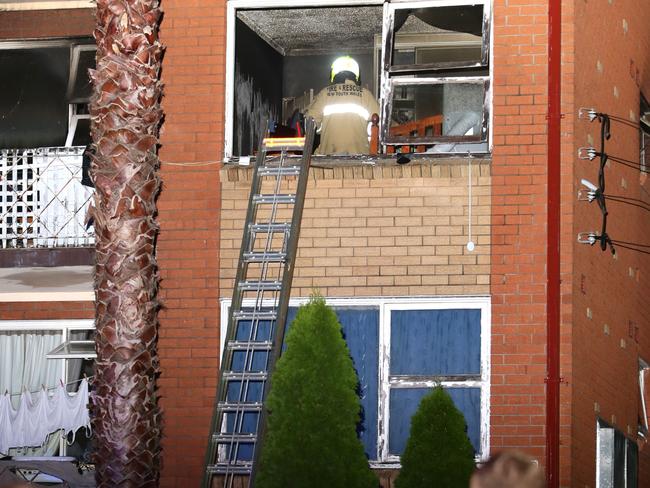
[{"x": 384, "y": 231}]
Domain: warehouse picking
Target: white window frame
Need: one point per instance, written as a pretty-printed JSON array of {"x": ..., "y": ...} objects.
[
  {"x": 386, "y": 305},
  {"x": 605, "y": 471},
  {"x": 73, "y": 105},
  {"x": 65, "y": 327},
  {"x": 388, "y": 79},
  {"x": 231, "y": 18}
]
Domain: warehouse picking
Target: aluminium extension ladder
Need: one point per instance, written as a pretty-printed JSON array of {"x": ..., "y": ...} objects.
[{"x": 258, "y": 312}]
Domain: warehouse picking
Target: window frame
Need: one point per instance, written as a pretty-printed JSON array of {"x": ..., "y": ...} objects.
[
  {"x": 63, "y": 326},
  {"x": 606, "y": 471},
  {"x": 389, "y": 35},
  {"x": 385, "y": 306},
  {"x": 231, "y": 17},
  {"x": 429, "y": 81},
  {"x": 389, "y": 75}
]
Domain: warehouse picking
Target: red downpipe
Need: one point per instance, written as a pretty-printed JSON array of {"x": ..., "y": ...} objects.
[{"x": 553, "y": 247}]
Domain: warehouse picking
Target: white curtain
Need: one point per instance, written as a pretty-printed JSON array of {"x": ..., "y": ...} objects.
[{"x": 23, "y": 365}]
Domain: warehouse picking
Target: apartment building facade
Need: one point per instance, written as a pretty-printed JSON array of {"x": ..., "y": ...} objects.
[{"x": 386, "y": 243}]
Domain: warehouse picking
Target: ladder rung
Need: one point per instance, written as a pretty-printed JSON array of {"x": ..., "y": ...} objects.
[
  {"x": 220, "y": 438},
  {"x": 255, "y": 315},
  {"x": 270, "y": 199},
  {"x": 279, "y": 170},
  {"x": 260, "y": 285},
  {"x": 284, "y": 143},
  {"x": 261, "y": 257},
  {"x": 250, "y": 345},
  {"x": 237, "y": 467},
  {"x": 245, "y": 375},
  {"x": 270, "y": 227},
  {"x": 240, "y": 407}
]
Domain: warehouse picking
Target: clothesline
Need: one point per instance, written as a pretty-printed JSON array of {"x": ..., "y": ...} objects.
[{"x": 89, "y": 378}]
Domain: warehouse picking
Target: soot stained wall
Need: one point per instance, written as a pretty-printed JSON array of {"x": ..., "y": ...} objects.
[
  {"x": 304, "y": 72},
  {"x": 258, "y": 88}
]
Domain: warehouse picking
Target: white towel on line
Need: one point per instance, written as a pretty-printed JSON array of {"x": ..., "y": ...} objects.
[{"x": 39, "y": 416}]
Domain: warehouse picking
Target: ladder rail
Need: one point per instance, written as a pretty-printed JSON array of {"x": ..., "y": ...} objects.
[
  {"x": 231, "y": 331},
  {"x": 285, "y": 294},
  {"x": 229, "y": 431}
]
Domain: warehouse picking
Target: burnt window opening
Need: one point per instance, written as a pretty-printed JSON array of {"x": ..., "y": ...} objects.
[
  {"x": 37, "y": 90},
  {"x": 436, "y": 76},
  {"x": 426, "y": 62},
  {"x": 644, "y": 132},
  {"x": 283, "y": 58}
]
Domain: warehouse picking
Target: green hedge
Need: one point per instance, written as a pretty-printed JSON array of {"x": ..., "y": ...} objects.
[
  {"x": 438, "y": 453},
  {"x": 311, "y": 439}
]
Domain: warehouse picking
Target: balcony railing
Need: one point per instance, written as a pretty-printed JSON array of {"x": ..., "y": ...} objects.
[{"x": 42, "y": 200}]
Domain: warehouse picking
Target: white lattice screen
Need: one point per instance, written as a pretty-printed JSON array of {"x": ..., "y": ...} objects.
[{"x": 42, "y": 200}]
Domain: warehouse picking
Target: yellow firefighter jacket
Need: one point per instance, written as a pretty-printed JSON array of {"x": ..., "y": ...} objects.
[{"x": 342, "y": 112}]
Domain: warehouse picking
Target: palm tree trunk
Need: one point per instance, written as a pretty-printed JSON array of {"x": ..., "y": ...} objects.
[{"x": 126, "y": 117}]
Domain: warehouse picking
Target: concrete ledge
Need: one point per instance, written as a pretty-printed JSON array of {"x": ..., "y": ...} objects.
[
  {"x": 62, "y": 256},
  {"x": 37, "y": 284}
]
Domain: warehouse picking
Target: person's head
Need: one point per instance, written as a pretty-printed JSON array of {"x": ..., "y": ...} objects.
[
  {"x": 510, "y": 469},
  {"x": 344, "y": 68}
]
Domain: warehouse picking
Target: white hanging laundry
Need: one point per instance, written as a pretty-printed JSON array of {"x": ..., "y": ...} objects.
[
  {"x": 6, "y": 415},
  {"x": 39, "y": 421},
  {"x": 35, "y": 418},
  {"x": 71, "y": 411},
  {"x": 20, "y": 423}
]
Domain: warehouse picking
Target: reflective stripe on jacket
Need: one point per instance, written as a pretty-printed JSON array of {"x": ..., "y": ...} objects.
[{"x": 343, "y": 111}]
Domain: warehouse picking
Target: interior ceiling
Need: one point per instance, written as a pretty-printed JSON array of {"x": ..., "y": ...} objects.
[{"x": 316, "y": 30}]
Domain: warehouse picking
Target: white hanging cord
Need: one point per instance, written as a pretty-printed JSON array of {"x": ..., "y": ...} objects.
[{"x": 470, "y": 242}]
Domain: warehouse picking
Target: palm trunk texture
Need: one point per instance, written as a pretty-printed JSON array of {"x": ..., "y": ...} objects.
[{"x": 126, "y": 118}]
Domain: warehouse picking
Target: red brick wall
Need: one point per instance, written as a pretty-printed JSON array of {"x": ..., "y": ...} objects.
[
  {"x": 46, "y": 23},
  {"x": 612, "y": 43},
  {"x": 46, "y": 310},
  {"x": 194, "y": 33},
  {"x": 519, "y": 227}
]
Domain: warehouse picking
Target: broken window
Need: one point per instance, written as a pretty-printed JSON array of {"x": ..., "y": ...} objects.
[
  {"x": 435, "y": 76},
  {"x": 281, "y": 59},
  {"x": 426, "y": 61},
  {"x": 424, "y": 343},
  {"x": 44, "y": 88}
]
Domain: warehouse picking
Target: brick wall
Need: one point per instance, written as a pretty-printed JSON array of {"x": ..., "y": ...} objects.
[
  {"x": 610, "y": 294},
  {"x": 518, "y": 253},
  {"x": 378, "y": 231},
  {"x": 46, "y": 310},
  {"x": 192, "y": 142},
  {"x": 46, "y": 23},
  {"x": 191, "y": 138}
]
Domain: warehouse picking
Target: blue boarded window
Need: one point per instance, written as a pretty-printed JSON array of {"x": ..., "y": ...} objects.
[
  {"x": 360, "y": 326},
  {"x": 421, "y": 347},
  {"x": 427, "y": 347}
]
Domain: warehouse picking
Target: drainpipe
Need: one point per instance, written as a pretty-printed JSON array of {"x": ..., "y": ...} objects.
[{"x": 553, "y": 248}]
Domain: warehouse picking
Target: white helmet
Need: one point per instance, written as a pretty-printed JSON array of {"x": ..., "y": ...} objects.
[{"x": 344, "y": 63}]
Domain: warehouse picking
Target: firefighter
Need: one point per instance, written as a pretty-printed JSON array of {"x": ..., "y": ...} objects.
[{"x": 343, "y": 110}]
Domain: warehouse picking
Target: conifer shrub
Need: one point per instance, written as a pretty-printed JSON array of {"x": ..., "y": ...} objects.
[
  {"x": 311, "y": 440},
  {"x": 438, "y": 452}
]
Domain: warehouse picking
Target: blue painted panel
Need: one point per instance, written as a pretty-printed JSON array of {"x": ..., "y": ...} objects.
[
  {"x": 405, "y": 401},
  {"x": 360, "y": 328},
  {"x": 435, "y": 342}
]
